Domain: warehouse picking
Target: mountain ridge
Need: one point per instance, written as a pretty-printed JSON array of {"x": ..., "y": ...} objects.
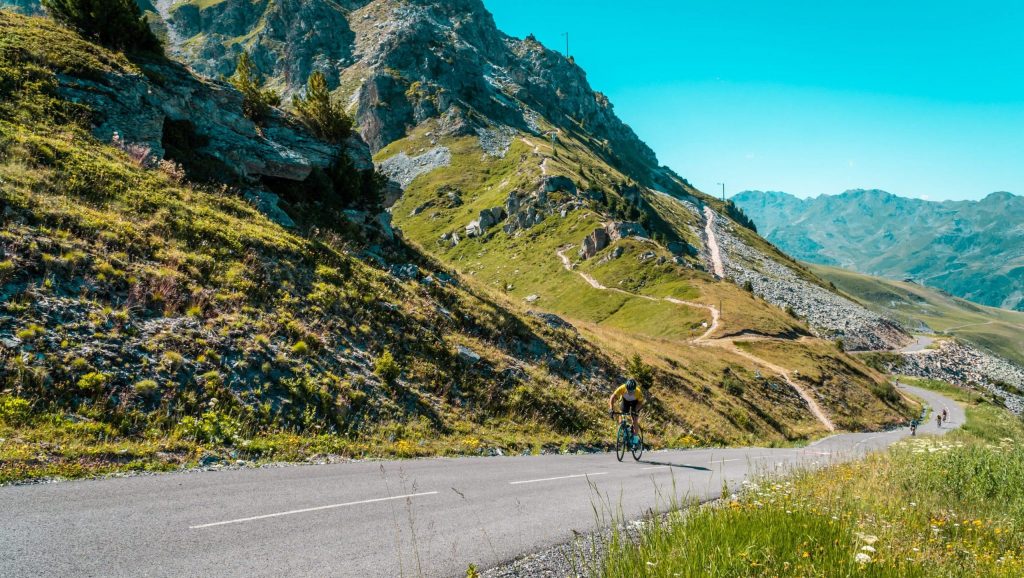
[{"x": 973, "y": 249}]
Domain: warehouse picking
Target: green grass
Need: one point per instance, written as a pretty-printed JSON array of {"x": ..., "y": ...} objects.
[
  {"x": 998, "y": 330},
  {"x": 931, "y": 506},
  {"x": 172, "y": 319}
]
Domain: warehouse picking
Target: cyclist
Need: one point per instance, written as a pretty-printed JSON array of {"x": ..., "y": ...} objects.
[
  {"x": 632, "y": 400},
  {"x": 938, "y": 419},
  {"x": 945, "y": 414},
  {"x": 913, "y": 427}
]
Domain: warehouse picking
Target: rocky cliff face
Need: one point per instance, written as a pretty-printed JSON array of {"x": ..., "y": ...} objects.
[{"x": 401, "y": 63}]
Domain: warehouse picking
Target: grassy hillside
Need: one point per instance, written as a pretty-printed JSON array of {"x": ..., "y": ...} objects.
[
  {"x": 149, "y": 322},
  {"x": 931, "y": 506},
  {"x": 704, "y": 385},
  {"x": 152, "y": 323},
  {"x": 997, "y": 330}
]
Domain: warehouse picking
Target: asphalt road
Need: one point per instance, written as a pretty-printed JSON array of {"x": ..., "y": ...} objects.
[{"x": 403, "y": 518}]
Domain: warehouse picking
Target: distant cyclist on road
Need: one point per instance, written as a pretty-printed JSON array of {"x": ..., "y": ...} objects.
[
  {"x": 632, "y": 400},
  {"x": 945, "y": 415},
  {"x": 913, "y": 427}
]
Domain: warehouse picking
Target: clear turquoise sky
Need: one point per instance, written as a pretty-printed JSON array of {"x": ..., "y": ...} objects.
[{"x": 922, "y": 99}]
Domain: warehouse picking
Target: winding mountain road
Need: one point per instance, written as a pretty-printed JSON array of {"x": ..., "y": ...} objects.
[{"x": 428, "y": 517}]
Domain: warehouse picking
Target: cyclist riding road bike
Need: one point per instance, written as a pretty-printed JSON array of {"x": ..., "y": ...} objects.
[{"x": 632, "y": 401}]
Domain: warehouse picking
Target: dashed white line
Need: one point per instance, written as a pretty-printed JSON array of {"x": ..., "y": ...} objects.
[
  {"x": 743, "y": 459},
  {"x": 655, "y": 468},
  {"x": 305, "y": 510},
  {"x": 866, "y": 441},
  {"x": 556, "y": 478}
]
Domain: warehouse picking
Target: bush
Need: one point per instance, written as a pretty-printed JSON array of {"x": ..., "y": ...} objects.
[
  {"x": 145, "y": 388},
  {"x": 14, "y": 411},
  {"x": 117, "y": 24},
  {"x": 323, "y": 116},
  {"x": 256, "y": 103},
  {"x": 300, "y": 348},
  {"x": 386, "y": 368},
  {"x": 212, "y": 427},
  {"x": 640, "y": 371}
]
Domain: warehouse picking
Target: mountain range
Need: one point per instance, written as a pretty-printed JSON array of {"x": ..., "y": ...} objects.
[{"x": 971, "y": 249}]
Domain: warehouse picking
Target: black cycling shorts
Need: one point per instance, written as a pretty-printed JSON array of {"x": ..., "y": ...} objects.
[{"x": 630, "y": 407}]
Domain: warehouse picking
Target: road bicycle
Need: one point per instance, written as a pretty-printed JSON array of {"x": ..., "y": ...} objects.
[{"x": 624, "y": 438}]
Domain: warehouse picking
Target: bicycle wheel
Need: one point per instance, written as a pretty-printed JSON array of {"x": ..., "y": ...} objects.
[
  {"x": 638, "y": 449},
  {"x": 621, "y": 440}
]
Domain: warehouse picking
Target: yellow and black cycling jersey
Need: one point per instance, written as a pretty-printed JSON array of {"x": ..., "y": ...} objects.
[{"x": 636, "y": 395}]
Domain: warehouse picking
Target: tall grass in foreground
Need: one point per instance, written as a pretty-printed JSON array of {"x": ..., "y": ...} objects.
[{"x": 951, "y": 506}]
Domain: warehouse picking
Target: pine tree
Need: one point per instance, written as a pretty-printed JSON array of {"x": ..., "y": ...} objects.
[
  {"x": 256, "y": 102},
  {"x": 320, "y": 113},
  {"x": 117, "y": 24},
  {"x": 640, "y": 371}
]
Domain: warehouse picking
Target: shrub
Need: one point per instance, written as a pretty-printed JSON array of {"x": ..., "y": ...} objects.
[
  {"x": 212, "y": 427},
  {"x": 118, "y": 24},
  {"x": 256, "y": 103},
  {"x": 93, "y": 381},
  {"x": 173, "y": 359},
  {"x": 385, "y": 367},
  {"x": 640, "y": 371},
  {"x": 14, "y": 411},
  {"x": 145, "y": 388},
  {"x": 300, "y": 348},
  {"x": 30, "y": 333},
  {"x": 6, "y": 270},
  {"x": 732, "y": 385},
  {"x": 320, "y": 113}
]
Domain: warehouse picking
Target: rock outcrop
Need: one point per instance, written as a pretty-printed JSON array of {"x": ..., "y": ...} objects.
[
  {"x": 593, "y": 243},
  {"x": 967, "y": 366},
  {"x": 142, "y": 113}
]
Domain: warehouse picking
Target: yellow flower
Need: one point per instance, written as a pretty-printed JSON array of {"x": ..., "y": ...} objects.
[{"x": 807, "y": 554}]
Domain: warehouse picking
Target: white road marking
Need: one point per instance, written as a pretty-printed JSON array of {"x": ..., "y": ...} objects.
[
  {"x": 655, "y": 468},
  {"x": 866, "y": 441},
  {"x": 558, "y": 478},
  {"x": 738, "y": 459},
  {"x": 304, "y": 510}
]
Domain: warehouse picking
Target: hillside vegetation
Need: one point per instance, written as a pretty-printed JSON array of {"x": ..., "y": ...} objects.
[
  {"x": 930, "y": 506},
  {"x": 149, "y": 322},
  {"x": 926, "y": 310}
]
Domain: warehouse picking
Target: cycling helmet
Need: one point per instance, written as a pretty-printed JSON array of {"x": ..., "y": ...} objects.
[{"x": 631, "y": 384}]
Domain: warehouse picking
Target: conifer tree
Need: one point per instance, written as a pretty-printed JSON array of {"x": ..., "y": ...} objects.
[
  {"x": 320, "y": 113},
  {"x": 256, "y": 102}
]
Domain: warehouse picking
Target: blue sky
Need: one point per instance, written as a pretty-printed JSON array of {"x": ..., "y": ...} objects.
[{"x": 922, "y": 99}]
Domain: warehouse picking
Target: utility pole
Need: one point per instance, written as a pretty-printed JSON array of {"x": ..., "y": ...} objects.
[
  {"x": 566, "y": 34},
  {"x": 723, "y": 190}
]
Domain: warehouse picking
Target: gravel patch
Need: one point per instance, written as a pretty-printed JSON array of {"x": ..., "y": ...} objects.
[
  {"x": 404, "y": 169},
  {"x": 496, "y": 141}
]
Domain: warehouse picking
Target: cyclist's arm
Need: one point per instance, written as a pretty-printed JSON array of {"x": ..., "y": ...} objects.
[{"x": 615, "y": 395}]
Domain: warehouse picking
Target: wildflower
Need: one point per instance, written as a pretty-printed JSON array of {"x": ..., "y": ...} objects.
[
  {"x": 870, "y": 549},
  {"x": 862, "y": 558}
]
